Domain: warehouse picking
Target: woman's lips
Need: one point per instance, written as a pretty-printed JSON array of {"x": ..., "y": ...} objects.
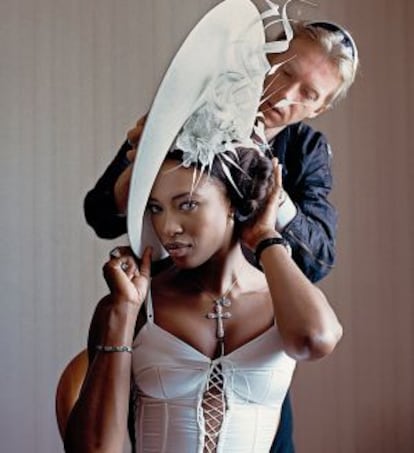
[{"x": 177, "y": 249}]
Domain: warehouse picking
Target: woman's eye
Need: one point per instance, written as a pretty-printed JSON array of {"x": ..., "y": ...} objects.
[
  {"x": 188, "y": 205},
  {"x": 153, "y": 209}
]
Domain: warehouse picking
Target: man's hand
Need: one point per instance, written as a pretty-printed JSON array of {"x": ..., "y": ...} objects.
[
  {"x": 121, "y": 187},
  {"x": 134, "y": 134}
]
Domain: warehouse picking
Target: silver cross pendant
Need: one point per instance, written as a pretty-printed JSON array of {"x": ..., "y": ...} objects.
[{"x": 219, "y": 315}]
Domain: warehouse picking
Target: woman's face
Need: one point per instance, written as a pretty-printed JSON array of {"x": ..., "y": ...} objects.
[{"x": 192, "y": 226}]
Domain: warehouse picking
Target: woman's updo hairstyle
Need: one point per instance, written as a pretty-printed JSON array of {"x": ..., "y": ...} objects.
[
  {"x": 253, "y": 177},
  {"x": 254, "y": 181}
]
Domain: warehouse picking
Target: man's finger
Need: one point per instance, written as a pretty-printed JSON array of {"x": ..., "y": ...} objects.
[{"x": 134, "y": 134}]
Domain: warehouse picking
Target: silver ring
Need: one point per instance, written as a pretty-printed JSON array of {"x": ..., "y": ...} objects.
[
  {"x": 124, "y": 266},
  {"x": 115, "y": 253}
]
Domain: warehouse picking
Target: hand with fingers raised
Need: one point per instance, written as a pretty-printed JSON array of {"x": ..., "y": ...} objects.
[{"x": 127, "y": 280}]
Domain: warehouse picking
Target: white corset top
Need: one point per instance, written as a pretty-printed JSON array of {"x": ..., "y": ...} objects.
[{"x": 170, "y": 374}]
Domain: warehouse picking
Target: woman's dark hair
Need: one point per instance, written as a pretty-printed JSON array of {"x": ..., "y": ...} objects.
[{"x": 253, "y": 177}]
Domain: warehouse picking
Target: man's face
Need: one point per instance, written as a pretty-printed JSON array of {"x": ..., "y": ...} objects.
[{"x": 301, "y": 87}]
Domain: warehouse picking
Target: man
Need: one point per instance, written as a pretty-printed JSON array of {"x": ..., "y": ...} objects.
[{"x": 316, "y": 71}]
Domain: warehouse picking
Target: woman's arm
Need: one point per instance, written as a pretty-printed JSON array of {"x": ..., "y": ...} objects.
[
  {"x": 98, "y": 421},
  {"x": 306, "y": 321}
]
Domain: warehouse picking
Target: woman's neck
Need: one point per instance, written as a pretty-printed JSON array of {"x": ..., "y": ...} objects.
[{"x": 220, "y": 272}]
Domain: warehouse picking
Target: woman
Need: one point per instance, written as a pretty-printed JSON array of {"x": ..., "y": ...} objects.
[{"x": 210, "y": 344}]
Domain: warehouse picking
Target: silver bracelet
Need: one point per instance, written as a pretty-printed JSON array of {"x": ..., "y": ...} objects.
[{"x": 102, "y": 348}]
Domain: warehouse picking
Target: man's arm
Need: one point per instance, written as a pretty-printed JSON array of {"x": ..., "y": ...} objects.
[
  {"x": 99, "y": 206},
  {"x": 105, "y": 205},
  {"x": 311, "y": 228}
]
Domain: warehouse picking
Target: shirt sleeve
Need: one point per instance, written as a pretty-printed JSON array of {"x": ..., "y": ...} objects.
[
  {"x": 312, "y": 231},
  {"x": 99, "y": 204}
]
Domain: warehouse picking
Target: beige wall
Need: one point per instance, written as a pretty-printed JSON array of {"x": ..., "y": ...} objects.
[{"x": 73, "y": 77}]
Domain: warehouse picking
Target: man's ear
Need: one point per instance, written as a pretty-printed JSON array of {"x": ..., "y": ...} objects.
[{"x": 318, "y": 111}]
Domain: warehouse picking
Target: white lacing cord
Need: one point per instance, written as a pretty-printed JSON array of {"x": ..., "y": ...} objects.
[{"x": 214, "y": 404}]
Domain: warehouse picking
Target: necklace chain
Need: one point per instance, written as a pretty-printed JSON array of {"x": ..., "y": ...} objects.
[
  {"x": 218, "y": 313},
  {"x": 223, "y": 298}
]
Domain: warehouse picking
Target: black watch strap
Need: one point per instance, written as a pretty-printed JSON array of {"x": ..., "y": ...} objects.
[{"x": 265, "y": 243}]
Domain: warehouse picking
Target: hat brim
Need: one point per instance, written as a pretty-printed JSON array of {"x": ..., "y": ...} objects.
[{"x": 206, "y": 53}]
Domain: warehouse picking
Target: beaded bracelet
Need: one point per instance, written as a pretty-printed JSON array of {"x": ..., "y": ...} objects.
[
  {"x": 267, "y": 243},
  {"x": 102, "y": 348}
]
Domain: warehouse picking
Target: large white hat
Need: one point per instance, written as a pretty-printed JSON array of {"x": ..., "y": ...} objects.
[{"x": 222, "y": 62}]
